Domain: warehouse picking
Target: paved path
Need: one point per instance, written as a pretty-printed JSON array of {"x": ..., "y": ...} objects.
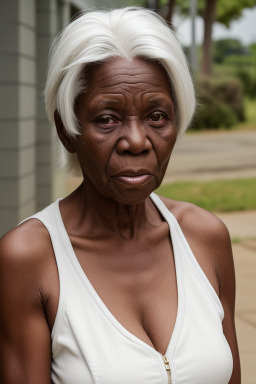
[
  {"x": 213, "y": 155},
  {"x": 242, "y": 226},
  {"x": 245, "y": 265}
]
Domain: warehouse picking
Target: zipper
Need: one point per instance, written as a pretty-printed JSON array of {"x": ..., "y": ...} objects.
[{"x": 168, "y": 369}]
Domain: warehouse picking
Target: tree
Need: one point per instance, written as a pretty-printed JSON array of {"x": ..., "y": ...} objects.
[
  {"x": 209, "y": 16},
  {"x": 225, "y": 47},
  {"x": 164, "y": 7},
  {"x": 230, "y": 10},
  {"x": 223, "y": 11},
  {"x": 168, "y": 10}
]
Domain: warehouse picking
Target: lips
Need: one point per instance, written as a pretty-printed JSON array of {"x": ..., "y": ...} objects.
[{"x": 132, "y": 177}]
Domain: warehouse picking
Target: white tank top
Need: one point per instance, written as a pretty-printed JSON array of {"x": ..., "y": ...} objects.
[{"x": 89, "y": 346}]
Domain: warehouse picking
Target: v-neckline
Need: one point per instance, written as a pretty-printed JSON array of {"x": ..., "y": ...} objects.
[{"x": 166, "y": 214}]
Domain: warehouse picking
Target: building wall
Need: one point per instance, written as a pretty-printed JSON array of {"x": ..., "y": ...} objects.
[
  {"x": 29, "y": 178},
  {"x": 47, "y": 13},
  {"x": 17, "y": 111}
]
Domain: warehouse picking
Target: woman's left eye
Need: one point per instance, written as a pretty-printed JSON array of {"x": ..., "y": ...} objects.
[{"x": 157, "y": 118}]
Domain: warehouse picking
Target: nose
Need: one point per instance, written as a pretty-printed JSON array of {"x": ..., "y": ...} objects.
[{"x": 134, "y": 140}]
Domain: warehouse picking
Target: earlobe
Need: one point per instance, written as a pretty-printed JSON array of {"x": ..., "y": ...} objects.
[{"x": 62, "y": 133}]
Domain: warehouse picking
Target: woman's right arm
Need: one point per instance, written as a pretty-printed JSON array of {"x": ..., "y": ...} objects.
[{"x": 25, "y": 343}]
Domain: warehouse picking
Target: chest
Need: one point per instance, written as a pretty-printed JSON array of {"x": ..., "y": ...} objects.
[
  {"x": 101, "y": 349},
  {"x": 137, "y": 283},
  {"x": 91, "y": 345}
]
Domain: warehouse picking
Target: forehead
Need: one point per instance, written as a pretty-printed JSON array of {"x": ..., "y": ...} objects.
[{"x": 120, "y": 75}]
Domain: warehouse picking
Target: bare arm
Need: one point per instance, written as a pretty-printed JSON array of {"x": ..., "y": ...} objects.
[
  {"x": 25, "y": 346},
  {"x": 226, "y": 274}
]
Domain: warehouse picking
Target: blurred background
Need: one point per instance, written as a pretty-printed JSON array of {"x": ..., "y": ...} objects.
[{"x": 213, "y": 165}]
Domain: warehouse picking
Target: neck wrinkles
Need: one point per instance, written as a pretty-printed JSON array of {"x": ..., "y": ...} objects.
[{"x": 100, "y": 214}]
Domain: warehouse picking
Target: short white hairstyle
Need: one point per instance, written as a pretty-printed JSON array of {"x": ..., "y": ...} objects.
[{"x": 98, "y": 36}]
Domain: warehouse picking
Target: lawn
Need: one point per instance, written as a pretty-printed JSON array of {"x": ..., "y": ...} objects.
[{"x": 215, "y": 196}]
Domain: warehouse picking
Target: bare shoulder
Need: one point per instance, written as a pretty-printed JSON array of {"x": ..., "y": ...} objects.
[
  {"x": 208, "y": 239},
  {"x": 26, "y": 257},
  {"x": 25, "y": 245},
  {"x": 195, "y": 220},
  {"x": 25, "y": 262},
  {"x": 27, "y": 268}
]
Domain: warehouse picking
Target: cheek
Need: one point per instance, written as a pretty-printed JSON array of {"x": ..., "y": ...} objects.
[
  {"x": 167, "y": 144},
  {"x": 93, "y": 153}
]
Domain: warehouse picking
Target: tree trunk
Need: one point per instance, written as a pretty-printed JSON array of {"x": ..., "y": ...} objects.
[
  {"x": 169, "y": 13},
  {"x": 209, "y": 18},
  {"x": 153, "y": 4}
]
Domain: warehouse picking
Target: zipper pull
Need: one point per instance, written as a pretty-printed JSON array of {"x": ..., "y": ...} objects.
[{"x": 168, "y": 369}]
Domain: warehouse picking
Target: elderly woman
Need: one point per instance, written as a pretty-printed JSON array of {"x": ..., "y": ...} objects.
[{"x": 114, "y": 284}]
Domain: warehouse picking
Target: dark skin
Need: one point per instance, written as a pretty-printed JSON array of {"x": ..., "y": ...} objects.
[{"x": 128, "y": 131}]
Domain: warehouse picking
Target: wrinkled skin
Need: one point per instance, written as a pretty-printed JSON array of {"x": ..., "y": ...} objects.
[
  {"x": 128, "y": 126},
  {"x": 128, "y": 131}
]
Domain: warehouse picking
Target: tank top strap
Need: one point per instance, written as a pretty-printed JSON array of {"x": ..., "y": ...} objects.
[
  {"x": 167, "y": 215},
  {"x": 180, "y": 242}
]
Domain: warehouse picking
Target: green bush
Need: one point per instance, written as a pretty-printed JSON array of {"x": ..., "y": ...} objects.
[
  {"x": 224, "y": 48},
  {"x": 248, "y": 81},
  {"x": 213, "y": 114},
  {"x": 220, "y": 104},
  {"x": 231, "y": 93}
]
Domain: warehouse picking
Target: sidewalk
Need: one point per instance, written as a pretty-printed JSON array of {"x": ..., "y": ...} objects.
[
  {"x": 213, "y": 155},
  {"x": 245, "y": 265},
  {"x": 242, "y": 227}
]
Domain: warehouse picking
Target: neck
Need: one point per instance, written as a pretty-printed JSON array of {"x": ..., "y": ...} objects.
[{"x": 105, "y": 216}]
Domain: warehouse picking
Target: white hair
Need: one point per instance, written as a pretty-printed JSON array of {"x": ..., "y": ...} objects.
[{"x": 98, "y": 36}]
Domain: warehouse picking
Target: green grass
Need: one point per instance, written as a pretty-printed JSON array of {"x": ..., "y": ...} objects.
[
  {"x": 238, "y": 240},
  {"x": 215, "y": 196}
]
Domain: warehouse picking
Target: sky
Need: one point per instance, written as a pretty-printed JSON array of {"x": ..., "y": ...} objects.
[{"x": 243, "y": 29}]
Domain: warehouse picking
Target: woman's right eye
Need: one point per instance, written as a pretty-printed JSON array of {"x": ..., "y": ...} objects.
[{"x": 106, "y": 121}]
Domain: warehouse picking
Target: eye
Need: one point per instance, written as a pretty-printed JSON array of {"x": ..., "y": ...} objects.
[
  {"x": 106, "y": 121},
  {"x": 157, "y": 119}
]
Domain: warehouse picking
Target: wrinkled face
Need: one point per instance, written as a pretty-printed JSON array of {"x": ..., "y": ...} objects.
[{"x": 128, "y": 129}]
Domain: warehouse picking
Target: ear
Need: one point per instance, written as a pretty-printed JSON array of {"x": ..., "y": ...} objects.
[{"x": 62, "y": 133}]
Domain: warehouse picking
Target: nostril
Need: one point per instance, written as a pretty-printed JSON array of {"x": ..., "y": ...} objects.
[
  {"x": 132, "y": 146},
  {"x": 128, "y": 152}
]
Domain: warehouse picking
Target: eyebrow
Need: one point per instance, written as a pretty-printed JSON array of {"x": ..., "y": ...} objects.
[
  {"x": 108, "y": 101},
  {"x": 159, "y": 100}
]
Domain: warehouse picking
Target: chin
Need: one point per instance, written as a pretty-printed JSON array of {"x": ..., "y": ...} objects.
[{"x": 132, "y": 196}]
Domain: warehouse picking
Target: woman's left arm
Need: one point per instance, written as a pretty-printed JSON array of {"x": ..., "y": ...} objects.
[{"x": 226, "y": 276}]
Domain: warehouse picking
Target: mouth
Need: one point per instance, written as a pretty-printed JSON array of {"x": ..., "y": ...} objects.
[{"x": 134, "y": 178}]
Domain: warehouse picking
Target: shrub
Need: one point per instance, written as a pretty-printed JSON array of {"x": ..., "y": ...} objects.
[
  {"x": 231, "y": 92},
  {"x": 226, "y": 47},
  {"x": 220, "y": 104},
  {"x": 248, "y": 81}
]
